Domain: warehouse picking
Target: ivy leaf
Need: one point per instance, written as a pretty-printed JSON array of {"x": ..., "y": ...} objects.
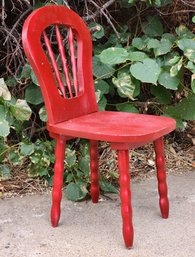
[
  {"x": 4, "y": 171},
  {"x": 176, "y": 68},
  {"x": 146, "y": 71},
  {"x": 21, "y": 110},
  {"x": 188, "y": 46},
  {"x": 193, "y": 19},
  {"x": 74, "y": 192},
  {"x": 114, "y": 55},
  {"x": 4, "y": 91},
  {"x": 127, "y": 107},
  {"x": 11, "y": 82},
  {"x": 84, "y": 165},
  {"x": 14, "y": 157},
  {"x": 184, "y": 110},
  {"x": 186, "y": 43},
  {"x": 43, "y": 114},
  {"x": 4, "y": 128},
  {"x": 175, "y": 59},
  {"x": 153, "y": 27},
  {"x": 33, "y": 94},
  {"x": 164, "y": 47},
  {"x": 102, "y": 103},
  {"x": 171, "y": 58},
  {"x": 101, "y": 70},
  {"x": 169, "y": 36},
  {"x": 162, "y": 95},
  {"x": 70, "y": 157},
  {"x": 153, "y": 43},
  {"x": 182, "y": 31},
  {"x": 34, "y": 79},
  {"x": 97, "y": 30},
  {"x": 190, "y": 54},
  {"x": 190, "y": 66},
  {"x": 107, "y": 187},
  {"x": 26, "y": 149},
  {"x": 167, "y": 81},
  {"x": 137, "y": 56},
  {"x": 124, "y": 83},
  {"x": 138, "y": 43},
  {"x": 102, "y": 86}
]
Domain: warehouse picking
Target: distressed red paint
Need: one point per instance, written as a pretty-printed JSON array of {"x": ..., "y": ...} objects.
[{"x": 73, "y": 111}]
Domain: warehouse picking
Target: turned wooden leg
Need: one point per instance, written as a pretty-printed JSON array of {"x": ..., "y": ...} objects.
[
  {"x": 58, "y": 181},
  {"x": 94, "y": 171},
  {"x": 125, "y": 195},
  {"x": 161, "y": 175}
]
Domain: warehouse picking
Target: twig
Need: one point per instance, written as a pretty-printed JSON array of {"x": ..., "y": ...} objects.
[
  {"x": 101, "y": 9},
  {"x": 3, "y": 13},
  {"x": 106, "y": 5},
  {"x": 17, "y": 22}
]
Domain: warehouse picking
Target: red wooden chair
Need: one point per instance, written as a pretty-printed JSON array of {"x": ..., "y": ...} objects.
[{"x": 72, "y": 109}]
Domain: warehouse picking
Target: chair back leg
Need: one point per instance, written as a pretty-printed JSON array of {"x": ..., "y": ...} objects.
[
  {"x": 161, "y": 176},
  {"x": 94, "y": 176},
  {"x": 125, "y": 195},
  {"x": 58, "y": 180}
]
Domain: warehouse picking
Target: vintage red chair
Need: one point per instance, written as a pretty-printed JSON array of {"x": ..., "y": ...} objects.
[{"x": 70, "y": 101}]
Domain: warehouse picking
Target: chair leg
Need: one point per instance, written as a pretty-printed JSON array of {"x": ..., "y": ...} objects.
[
  {"x": 94, "y": 171},
  {"x": 58, "y": 180},
  {"x": 125, "y": 195},
  {"x": 161, "y": 175}
]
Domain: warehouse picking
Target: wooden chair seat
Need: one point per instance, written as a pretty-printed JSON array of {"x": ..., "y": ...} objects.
[
  {"x": 70, "y": 101},
  {"x": 115, "y": 127}
]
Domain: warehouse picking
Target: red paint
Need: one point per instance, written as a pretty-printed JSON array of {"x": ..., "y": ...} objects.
[
  {"x": 77, "y": 115},
  {"x": 125, "y": 195},
  {"x": 63, "y": 60},
  {"x": 161, "y": 175},
  {"x": 94, "y": 190},
  {"x": 73, "y": 61},
  {"x": 58, "y": 180}
]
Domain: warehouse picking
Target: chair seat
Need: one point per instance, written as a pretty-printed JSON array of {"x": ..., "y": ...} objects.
[{"x": 115, "y": 127}]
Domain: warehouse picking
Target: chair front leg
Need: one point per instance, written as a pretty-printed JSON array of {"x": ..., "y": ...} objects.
[
  {"x": 161, "y": 175},
  {"x": 58, "y": 180},
  {"x": 125, "y": 195},
  {"x": 94, "y": 177}
]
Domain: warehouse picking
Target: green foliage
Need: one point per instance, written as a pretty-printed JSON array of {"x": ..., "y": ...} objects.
[{"x": 156, "y": 58}]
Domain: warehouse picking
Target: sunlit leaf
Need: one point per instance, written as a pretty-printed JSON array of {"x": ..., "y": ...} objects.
[
  {"x": 146, "y": 71},
  {"x": 43, "y": 114},
  {"x": 4, "y": 91},
  {"x": 21, "y": 110},
  {"x": 138, "y": 43},
  {"x": 125, "y": 83},
  {"x": 167, "y": 81},
  {"x": 4, "y": 128},
  {"x": 137, "y": 56},
  {"x": 114, "y": 55}
]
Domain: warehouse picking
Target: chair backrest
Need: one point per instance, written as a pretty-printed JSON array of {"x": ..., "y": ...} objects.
[{"x": 58, "y": 46}]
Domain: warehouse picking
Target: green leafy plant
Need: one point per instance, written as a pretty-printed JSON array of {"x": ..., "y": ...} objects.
[{"x": 157, "y": 60}]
